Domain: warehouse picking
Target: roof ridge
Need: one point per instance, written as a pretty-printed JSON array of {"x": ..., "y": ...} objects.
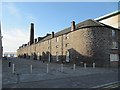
[{"x": 97, "y": 22}]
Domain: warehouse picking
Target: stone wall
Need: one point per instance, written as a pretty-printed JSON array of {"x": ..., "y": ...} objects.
[{"x": 92, "y": 44}]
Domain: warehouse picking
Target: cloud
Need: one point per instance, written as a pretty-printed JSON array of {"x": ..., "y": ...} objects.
[
  {"x": 12, "y": 39},
  {"x": 12, "y": 9}
]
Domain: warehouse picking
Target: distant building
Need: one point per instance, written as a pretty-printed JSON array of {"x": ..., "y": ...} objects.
[
  {"x": 10, "y": 54},
  {"x": 89, "y": 41},
  {"x": 1, "y": 48}
]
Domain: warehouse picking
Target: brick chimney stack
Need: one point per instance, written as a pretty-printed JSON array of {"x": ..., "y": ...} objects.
[
  {"x": 72, "y": 25},
  {"x": 32, "y": 34},
  {"x": 52, "y": 35}
]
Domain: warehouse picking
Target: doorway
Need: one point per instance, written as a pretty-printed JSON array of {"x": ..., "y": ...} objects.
[{"x": 67, "y": 56}]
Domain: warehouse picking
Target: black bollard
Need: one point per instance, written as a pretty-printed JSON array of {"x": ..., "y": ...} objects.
[{"x": 9, "y": 63}]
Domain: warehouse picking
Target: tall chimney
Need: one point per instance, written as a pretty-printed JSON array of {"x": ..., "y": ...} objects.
[
  {"x": 72, "y": 25},
  {"x": 32, "y": 34}
]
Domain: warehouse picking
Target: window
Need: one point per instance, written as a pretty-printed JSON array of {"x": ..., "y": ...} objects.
[
  {"x": 114, "y": 45},
  {"x": 114, "y": 57},
  {"x": 113, "y": 33},
  {"x": 66, "y": 36},
  {"x": 67, "y": 44},
  {"x": 67, "y": 56},
  {"x": 48, "y": 41},
  {"x": 57, "y": 39},
  {"x": 56, "y": 46}
]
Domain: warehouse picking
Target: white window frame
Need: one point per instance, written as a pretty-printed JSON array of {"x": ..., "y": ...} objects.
[
  {"x": 114, "y": 57},
  {"x": 113, "y": 33},
  {"x": 114, "y": 45},
  {"x": 67, "y": 56}
]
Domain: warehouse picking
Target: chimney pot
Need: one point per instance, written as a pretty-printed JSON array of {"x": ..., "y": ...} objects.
[
  {"x": 39, "y": 38},
  {"x": 72, "y": 25},
  {"x": 52, "y": 35},
  {"x": 35, "y": 41}
]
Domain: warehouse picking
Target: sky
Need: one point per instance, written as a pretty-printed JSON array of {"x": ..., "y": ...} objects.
[{"x": 47, "y": 17}]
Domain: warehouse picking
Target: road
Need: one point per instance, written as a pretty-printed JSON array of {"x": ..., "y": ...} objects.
[
  {"x": 87, "y": 81},
  {"x": 80, "y": 78}
]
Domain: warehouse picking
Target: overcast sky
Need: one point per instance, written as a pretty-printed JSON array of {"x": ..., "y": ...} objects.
[{"x": 47, "y": 17}]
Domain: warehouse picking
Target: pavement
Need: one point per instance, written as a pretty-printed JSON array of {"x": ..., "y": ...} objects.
[{"x": 52, "y": 76}]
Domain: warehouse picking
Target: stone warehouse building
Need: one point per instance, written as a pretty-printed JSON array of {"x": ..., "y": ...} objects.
[
  {"x": 112, "y": 19},
  {"x": 89, "y": 41}
]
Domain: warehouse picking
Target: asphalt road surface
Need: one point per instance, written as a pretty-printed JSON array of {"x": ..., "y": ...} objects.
[
  {"x": 80, "y": 78},
  {"x": 87, "y": 81}
]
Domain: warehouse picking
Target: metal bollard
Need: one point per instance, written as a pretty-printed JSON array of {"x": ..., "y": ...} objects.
[
  {"x": 47, "y": 68},
  {"x": 93, "y": 65},
  {"x": 74, "y": 66},
  {"x": 61, "y": 67},
  {"x": 13, "y": 70},
  {"x": 30, "y": 68},
  {"x": 84, "y": 65}
]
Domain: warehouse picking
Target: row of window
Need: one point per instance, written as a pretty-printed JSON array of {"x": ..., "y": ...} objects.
[
  {"x": 113, "y": 57},
  {"x": 66, "y": 45},
  {"x": 66, "y": 36},
  {"x": 114, "y": 45}
]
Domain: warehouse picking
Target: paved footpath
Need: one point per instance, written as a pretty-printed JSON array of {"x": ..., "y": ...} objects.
[{"x": 39, "y": 78}]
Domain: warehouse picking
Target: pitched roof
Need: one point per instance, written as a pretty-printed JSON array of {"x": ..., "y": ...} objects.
[
  {"x": 84, "y": 24},
  {"x": 108, "y": 15}
]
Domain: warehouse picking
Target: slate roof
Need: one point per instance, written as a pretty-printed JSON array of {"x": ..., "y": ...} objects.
[{"x": 84, "y": 24}]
